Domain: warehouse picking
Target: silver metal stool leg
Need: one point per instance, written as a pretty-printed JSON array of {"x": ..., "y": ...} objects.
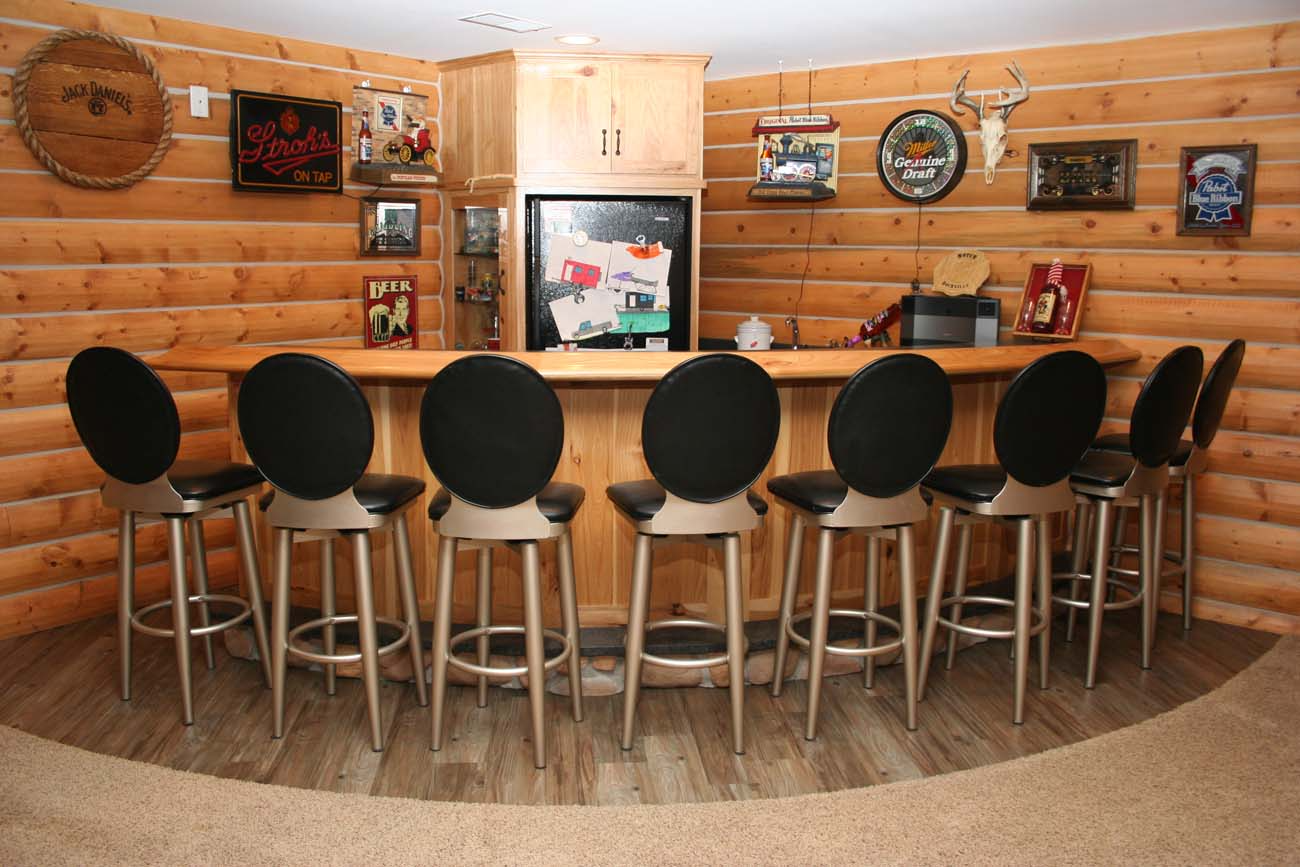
[
  {"x": 1078, "y": 562},
  {"x": 328, "y": 601},
  {"x": 907, "y": 615},
  {"x": 1097, "y": 603},
  {"x": 534, "y": 649},
  {"x": 1157, "y": 562},
  {"x": 199, "y": 566},
  {"x": 819, "y": 626},
  {"x": 1023, "y": 608},
  {"x": 1188, "y": 545},
  {"x": 638, "y": 604},
  {"x": 441, "y": 637},
  {"x": 1146, "y": 543},
  {"x": 735, "y": 639},
  {"x": 1044, "y": 551},
  {"x": 572, "y": 629},
  {"x": 280, "y": 626},
  {"x": 483, "y": 617},
  {"x": 871, "y": 603},
  {"x": 1117, "y": 540},
  {"x": 938, "y": 566},
  {"x": 181, "y": 613},
  {"x": 125, "y": 599},
  {"x": 368, "y": 632},
  {"x": 789, "y": 591},
  {"x": 253, "y": 574},
  {"x": 964, "y": 539},
  {"x": 410, "y": 607}
]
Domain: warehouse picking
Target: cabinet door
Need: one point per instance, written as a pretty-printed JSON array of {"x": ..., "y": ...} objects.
[
  {"x": 657, "y": 117},
  {"x": 563, "y": 115}
]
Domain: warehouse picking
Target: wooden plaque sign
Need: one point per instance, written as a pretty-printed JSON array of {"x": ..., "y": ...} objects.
[
  {"x": 285, "y": 143},
  {"x": 92, "y": 108}
]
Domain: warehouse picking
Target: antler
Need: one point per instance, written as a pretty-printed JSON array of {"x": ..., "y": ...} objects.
[
  {"x": 1008, "y": 105},
  {"x": 959, "y": 96}
]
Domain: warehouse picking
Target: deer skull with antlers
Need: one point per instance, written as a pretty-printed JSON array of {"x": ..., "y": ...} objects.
[{"x": 993, "y": 127}]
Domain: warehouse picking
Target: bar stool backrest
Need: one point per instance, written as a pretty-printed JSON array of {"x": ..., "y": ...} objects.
[
  {"x": 889, "y": 424},
  {"x": 1049, "y": 416},
  {"x": 710, "y": 427},
  {"x": 123, "y": 413},
  {"x": 1208, "y": 414},
  {"x": 306, "y": 425},
  {"x": 492, "y": 430},
  {"x": 1164, "y": 405}
]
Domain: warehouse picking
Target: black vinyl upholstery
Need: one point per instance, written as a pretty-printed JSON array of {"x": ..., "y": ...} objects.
[
  {"x": 1214, "y": 393},
  {"x": 306, "y": 424},
  {"x": 1164, "y": 405},
  {"x": 979, "y": 483},
  {"x": 710, "y": 426},
  {"x": 1104, "y": 468},
  {"x": 204, "y": 480},
  {"x": 1049, "y": 417},
  {"x": 123, "y": 413},
  {"x": 501, "y": 409},
  {"x": 889, "y": 424},
  {"x": 377, "y": 493},
  {"x": 1119, "y": 443},
  {"x": 558, "y": 501},
  {"x": 817, "y": 491},
  {"x": 642, "y": 500}
]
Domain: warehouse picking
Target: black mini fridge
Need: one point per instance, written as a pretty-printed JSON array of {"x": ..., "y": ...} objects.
[{"x": 608, "y": 272}]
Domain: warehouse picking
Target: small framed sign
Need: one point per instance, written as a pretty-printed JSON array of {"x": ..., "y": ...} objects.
[
  {"x": 391, "y": 320},
  {"x": 1216, "y": 190},
  {"x": 285, "y": 143},
  {"x": 390, "y": 226},
  {"x": 1082, "y": 175}
]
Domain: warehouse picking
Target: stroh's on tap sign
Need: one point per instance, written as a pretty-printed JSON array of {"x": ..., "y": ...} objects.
[
  {"x": 390, "y": 304},
  {"x": 285, "y": 143}
]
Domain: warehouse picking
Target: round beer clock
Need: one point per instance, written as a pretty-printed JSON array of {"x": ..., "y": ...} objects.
[{"x": 922, "y": 156}]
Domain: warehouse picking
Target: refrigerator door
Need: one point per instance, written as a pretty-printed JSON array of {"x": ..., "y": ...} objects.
[{"x": 603, "y": 269}]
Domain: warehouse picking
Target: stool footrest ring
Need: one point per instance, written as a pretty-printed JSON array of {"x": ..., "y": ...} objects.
[
  {"x": 334, "y": 658},
  {"x": 1134, "y": 600},
  {"x": 1037, "y": 622},
  {"x": 874, "y": 650},
  {"x": 246, "y": 611},
  {"x": 687, "y": 623},
  {"x": 504, "y": 670}
]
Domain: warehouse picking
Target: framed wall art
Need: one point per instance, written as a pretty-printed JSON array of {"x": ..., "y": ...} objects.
[
  {"x": 390, "y": 226},
  {"x": 1051, "y": 306},
  {"x": 391, "y": 317},
  {"x": 1216, "y": 190},
  {"x": 1082, "y": 175},
  {"x": 285, "y": 143}
]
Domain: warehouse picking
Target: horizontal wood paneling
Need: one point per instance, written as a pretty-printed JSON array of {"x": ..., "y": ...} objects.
[
  {"x": 1151, "y": 288},
  {"x": 179, "y": 258}
]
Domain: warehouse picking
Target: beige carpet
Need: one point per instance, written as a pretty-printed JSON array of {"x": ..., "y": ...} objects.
[{"x": 1214, "y": 781}]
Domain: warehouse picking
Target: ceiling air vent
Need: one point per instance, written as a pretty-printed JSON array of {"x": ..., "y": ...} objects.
[{"x": 506, "y": 22}]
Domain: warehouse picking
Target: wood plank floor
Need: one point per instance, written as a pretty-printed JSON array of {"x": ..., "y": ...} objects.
[{"x": 61, "y": 684}]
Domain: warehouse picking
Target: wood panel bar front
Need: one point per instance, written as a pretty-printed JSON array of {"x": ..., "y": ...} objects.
[{"x": 603, "y": 395}]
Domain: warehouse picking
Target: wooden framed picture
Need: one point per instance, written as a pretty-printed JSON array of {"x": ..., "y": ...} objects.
[
  {"x": 1216, "y": 190},
  {"x": 1051, "y": 306},
  {"x": 390, "y": 226},
  {"x": 1082, "y": 175}
]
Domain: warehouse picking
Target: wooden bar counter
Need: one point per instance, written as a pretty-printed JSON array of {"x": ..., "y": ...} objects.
[{"x": 603, "y": 395}]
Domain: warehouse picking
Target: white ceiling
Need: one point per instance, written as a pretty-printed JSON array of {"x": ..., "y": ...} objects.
[{"x": 744, "y": 36}]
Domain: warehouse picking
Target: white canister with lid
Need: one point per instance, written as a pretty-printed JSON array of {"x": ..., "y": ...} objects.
[{"x": 754, "y": 334}]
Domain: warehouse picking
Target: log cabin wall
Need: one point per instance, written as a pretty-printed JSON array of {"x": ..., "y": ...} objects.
[
  {"x": 179, "y": 258},
  {"x": 1150, "y": 288}
]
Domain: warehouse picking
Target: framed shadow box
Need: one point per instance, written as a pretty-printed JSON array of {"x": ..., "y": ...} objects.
[
  {"x": 1082, "y": 175},
  {"x": 390, "y": 226},
  {"x": 1051, "y": 306}
]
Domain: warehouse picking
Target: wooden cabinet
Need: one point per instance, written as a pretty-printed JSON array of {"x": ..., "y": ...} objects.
[
  {"x": 656, "y": 118},
  {"x": 564, "y": 117}
]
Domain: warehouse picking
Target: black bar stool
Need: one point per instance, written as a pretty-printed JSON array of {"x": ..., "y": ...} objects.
[
  {"x": 879, "y": 459},
  {"x": 1105, "y": 479},
  {"x": 506, "y": 411},
  {"x": 708, "y": 430},
  {"x": 307, "y": 426},
  {"x": 1044, "y": 424},
  {"x": 128, "y": 422},
  {"x": 1188, "y": 460}
]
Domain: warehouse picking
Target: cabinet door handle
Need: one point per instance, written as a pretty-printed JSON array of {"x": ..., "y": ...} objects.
[
  {"x": 618, "y": 142},
  {"x": 604, "y": 134}
]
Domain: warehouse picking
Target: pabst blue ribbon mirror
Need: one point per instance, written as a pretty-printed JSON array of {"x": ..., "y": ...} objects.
[{"x": 1216, "y": 190}]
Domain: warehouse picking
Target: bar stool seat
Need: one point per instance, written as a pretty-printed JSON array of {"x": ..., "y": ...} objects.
[
  {"x": 377, "y": 493},
  {"x": 203, "y": 480},
  {"x": 1119, "y": 443},
  {"x": 1106, "y": 469},
  {"x": 558, "y": 502},
  {"x": 979, "y": 483},
  {"x": 643, "y": 499},
  {"x": 820, "y": 492}
]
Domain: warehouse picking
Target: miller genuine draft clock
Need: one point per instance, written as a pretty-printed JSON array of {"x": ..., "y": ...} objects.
[{"x": 922, "y": 156}]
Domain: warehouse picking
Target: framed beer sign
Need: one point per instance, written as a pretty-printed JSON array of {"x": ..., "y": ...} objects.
[
  {"x": 391, "y": 321},
  {"x": 1216, "y": 190},
  {"x": 922, "y": 156},
  {"x": 285, "y": 143}
]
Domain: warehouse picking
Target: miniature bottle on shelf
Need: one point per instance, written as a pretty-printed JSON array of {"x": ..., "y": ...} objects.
[
  {"x": 1045, "y": 306},
  {"x": 365, "y": 140},
  {"x": 766, "y": 163}
]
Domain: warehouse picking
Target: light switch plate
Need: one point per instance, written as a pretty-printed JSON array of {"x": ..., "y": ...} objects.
[{"x": 198, "y": 101}]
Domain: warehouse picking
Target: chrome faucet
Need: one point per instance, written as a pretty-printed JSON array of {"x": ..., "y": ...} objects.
[{"x": 793, "y": 322}]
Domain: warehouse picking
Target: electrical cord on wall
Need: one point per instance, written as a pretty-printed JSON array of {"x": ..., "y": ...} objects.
[{"x": 916, "y": 254}]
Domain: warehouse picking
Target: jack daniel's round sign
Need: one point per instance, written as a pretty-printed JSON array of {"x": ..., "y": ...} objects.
[{"x": 922, "y": 156}]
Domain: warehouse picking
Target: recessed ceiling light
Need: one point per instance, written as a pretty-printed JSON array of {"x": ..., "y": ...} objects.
[
  {"x": 577, "y": 39},
  {"x": 506, "y": 22}
]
